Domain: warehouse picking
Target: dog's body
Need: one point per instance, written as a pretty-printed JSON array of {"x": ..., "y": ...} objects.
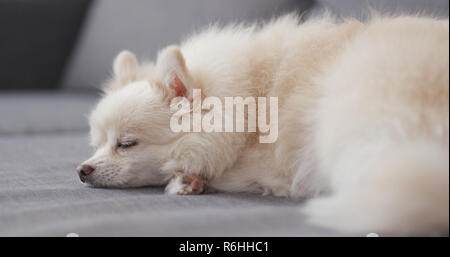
[{"x": 363, "y": 120}]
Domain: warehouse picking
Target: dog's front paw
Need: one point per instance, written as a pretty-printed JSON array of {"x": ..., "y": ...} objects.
[{"x": 185, "y": 184}]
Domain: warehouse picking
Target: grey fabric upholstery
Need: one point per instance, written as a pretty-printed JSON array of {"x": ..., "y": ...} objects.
[
  {"x": 40, "y": 195},
  {"x": 361, "y": 9},
  {"x": 33, "y": 113}
]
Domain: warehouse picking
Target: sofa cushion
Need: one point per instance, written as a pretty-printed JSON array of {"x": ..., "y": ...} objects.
[
  {"x": 25, "y": 113},
  {"x": 361, "y": 9},
  {"x": 40, "y": 195},
  {"x": 144, "y": 27}
]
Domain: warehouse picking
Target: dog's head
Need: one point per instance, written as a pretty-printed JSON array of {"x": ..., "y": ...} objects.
[{"x": 130, "y": 126}]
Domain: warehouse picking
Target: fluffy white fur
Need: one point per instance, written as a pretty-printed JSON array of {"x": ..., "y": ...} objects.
[{"x": 363, "y": 119}]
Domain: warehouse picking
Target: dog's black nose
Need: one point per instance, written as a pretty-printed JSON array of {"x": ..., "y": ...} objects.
[{"x": 84, "y": 170}]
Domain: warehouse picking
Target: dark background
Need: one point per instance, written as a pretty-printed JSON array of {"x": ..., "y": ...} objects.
[{"x": 36, "y": 38}]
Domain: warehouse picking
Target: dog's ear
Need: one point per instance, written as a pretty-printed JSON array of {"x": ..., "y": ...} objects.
[
  {"x": 125, "y": 67},
  {"x": 176, "y": 78}
]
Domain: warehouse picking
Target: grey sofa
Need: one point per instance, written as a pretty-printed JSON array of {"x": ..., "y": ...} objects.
[{"x": 44, "y": 135}]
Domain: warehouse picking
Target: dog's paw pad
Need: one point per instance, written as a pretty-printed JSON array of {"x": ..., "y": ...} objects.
[{"x": 184, "y": 184}]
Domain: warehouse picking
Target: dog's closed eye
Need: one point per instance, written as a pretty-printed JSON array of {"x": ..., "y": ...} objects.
[{"x": 127, "y": 144}]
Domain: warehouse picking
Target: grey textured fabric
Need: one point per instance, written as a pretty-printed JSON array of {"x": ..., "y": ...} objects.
[
  {"x": 30, "y": 113},
  {"x": 40, "y": 195},
  {"x": 361, "y": 9}
]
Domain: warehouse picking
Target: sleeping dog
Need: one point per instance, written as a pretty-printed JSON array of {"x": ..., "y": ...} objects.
[{"x": 360, "y": 123}]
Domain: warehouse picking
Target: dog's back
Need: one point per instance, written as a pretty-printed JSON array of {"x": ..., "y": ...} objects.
[
  {"x": 363, "y": 113},
  {"x": 382, "y": 130}
]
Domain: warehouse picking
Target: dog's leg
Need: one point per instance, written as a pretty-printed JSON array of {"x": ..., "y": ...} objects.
[
  {"x": 199, "y": 157},
  {"x": 185, "y": 184}
]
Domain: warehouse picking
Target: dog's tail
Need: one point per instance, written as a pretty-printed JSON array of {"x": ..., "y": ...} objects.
[{"x": 406, "y": 194}]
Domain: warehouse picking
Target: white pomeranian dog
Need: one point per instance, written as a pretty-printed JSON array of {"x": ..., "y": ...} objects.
[{"x": 361, "y": 124}]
